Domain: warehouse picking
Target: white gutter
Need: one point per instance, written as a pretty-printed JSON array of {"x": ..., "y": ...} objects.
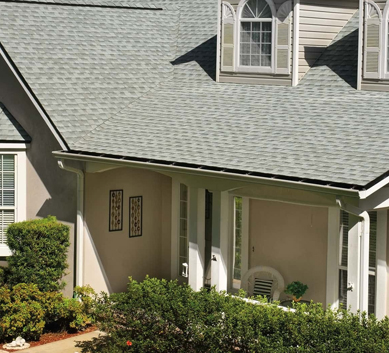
[
  {"x": 34, "y": 101},
  {"x": 364, "y": 194},
  {"x": 80, "y": 222},
  {"x": 364, "y": 255},
  {"x": 210, "y": 173},
  {"x": 296, "y": 43}
]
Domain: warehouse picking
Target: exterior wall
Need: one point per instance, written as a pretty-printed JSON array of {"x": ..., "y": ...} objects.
[
  {"x": 374, "y": 84},
  {"x": 320, "y": 22},
  {"x": 50, "y": 191},
  {"x": 387, "y": 268},
  {"x": 263, "y": 79},
  {"x": 111, "y": 257},
  {"x": 293, "y": 240}
]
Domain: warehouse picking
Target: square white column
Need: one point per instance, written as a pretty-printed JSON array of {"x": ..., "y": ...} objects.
[
  {"x": 353, "y": 264},
  {"x": 196, "y": 237},
  {"x": 220, "y": 226}
]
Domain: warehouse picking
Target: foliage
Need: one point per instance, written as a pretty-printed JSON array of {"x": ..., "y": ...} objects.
[
  {"x": 162, "y": 316},
  {"x": 297, "y": 289},
  {"x": 26, "y": 311},
  {"x": 39, "y": 253}
]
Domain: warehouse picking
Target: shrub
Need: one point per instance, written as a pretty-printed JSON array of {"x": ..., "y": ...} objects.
[
  {"x": 39, "y": 252},
  {"x": 162, "y": 316},
  {"x": 26, "y": 311}
]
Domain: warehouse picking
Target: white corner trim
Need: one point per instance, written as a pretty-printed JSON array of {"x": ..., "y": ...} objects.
[
  {"x": 34, "y": 101},
  {"x": 332, "y": 292},
  {"x": 21, "y": 186},
  {"x": 296, "y": 43},
  {"x": 360, "y": 45},
  {"x": 14, "y": 146},
  {"x": 381, "y": 266},
  {"x": 218, "y": 50}
]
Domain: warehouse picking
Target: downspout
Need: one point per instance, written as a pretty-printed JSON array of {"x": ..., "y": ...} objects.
[
  {"x": 80, "y": 222},
  {"x": 364, "y": 255}
]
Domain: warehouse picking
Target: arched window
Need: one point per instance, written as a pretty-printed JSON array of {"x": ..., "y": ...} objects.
[{"x": 255, "y": 33}]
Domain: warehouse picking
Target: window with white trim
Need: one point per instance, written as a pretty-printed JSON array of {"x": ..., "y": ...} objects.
[
  {"x": 256, "y": 38},
  {"x": 343, "y": 259},
  {"x": 183, "y": 234},
  {"x": 237, "y": 250},
  {"x": 7, "y": 194}
]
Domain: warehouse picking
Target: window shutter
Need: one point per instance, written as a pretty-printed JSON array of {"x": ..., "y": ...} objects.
[
  {"x": 283, "y": 43},
  {"x": 228, "y": 37},
  {"x": 372, "y": 41}
]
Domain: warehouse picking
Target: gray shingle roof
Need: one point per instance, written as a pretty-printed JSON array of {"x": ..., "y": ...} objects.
[
  {"x": 174, "y": 111},
  {"x": 10, "y": 129}
]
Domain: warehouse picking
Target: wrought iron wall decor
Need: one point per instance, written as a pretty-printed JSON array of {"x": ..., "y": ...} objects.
[
  {"x": 115, "y": 210},
  {"x": 136, "y": 204}
]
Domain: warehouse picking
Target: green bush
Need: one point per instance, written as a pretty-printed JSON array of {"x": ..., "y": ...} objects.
[
  {"x": 162, "y": 316},
  {"x": 26, "y": 311},
  {"x": 39, "y": 253}
]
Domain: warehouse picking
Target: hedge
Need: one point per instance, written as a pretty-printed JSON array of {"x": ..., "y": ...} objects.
[
  {"x": 39, "y": 253},
  {"x": 163, "y": 316},
  {"x": 26, "y": 311}
]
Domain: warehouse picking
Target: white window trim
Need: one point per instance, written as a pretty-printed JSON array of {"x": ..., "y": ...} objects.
[
  {"x": 384, "y": 42},
  {"x": 365, "y": 51},
  {"x": 19, "y": 151},
  {"x": 255, "y": 69}
]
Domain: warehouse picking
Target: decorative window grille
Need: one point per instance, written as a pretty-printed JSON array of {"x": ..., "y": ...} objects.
[
  {"x": 237, "y": 259},
  {"x": 7, "y": 194},
  {"x": 136, "y": 205},
  {"x": 343, "y": 259},
  {"x": 115, "y": 210},
  {"x": 256, "y": 28},
  {"x": 183, "y": 235}
]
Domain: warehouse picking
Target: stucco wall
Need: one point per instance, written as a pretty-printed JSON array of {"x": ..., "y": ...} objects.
[
  {"x": 293, "y": 240},
  {"x": 50, "y": 191},
  {"x": 111, "y": 257}
]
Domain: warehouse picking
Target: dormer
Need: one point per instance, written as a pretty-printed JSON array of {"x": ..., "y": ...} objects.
[
  {"x": 276, "y": 42},
  {"x": 256, "y": 41},
  {"x": 375, "y": 45}
]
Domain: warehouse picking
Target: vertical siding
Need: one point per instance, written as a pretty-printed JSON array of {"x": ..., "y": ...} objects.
[{"x": 320, "y": 22}]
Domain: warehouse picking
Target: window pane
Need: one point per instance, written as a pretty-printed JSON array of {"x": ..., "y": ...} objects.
[
  {"x": 266, "y": 49},
  {"x": 245, "y": 60},
  {"x": 257, "y": 9},
  {"x": 256, "y": 26},
  {"x": 373, "y": 241},
  {"x": 8, "y": 198},
  {"x": 255, "y": 60},
  {"x": 183, "y": 192},
  {"x": 255, "y": 49},
  {"x": 266, "y": 60},
  {"x": 183, "y": 209},
  {"x": 8, "y": 163},
  {"x": 371, "y": 296},
  {"x": 246, "y": 26},
  {"x": 183, "y": 227},
  {"x": 8, "y": 181},
  {"x": 343, "y": 288},
  {"x": 6, "y": 218},
  {"x": 245, "y": 37},
  {"x": 266, "y": 26},
  {"x": 245, "y": 48},
  {"x": 256, "y": 37},
  {"x": 266, "y": 37}
]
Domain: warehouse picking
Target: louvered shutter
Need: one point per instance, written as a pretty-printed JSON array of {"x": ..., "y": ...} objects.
[
  {"x": 228, "y": 37},
  {"x": 372, "y": 41},
  {"x": 7, "y": 217},
  {"x": 283, "y": 43},
  {"x": 263, "y": 287}
]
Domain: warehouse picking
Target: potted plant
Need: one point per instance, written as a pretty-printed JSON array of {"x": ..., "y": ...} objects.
[{"x": 297, "y": 290}]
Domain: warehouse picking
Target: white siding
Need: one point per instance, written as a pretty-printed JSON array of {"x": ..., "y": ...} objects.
[{"x": 320, "y": 22}]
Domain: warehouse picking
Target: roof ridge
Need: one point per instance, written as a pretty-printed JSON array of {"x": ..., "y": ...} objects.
[{"x": 112, "y": 4}]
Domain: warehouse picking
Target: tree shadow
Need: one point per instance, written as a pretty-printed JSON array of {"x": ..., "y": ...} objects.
[{"x": 204, "y": 55}]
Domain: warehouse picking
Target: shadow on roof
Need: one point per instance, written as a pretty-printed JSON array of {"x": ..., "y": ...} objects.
[
  {"x": 341, "y": 57},
  {"x": 204, "y": 55}
]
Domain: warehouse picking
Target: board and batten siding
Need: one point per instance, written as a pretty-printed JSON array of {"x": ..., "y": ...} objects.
[
  {"x": 254, "y": 78},
  {"x": 373, "y": 84},
  {"x": 320, "y": 22}
]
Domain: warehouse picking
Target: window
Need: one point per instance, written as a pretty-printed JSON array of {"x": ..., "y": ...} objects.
[
  {"x": 7, "y": 194},
  {"x": 257, "y": 38},
  {"x": 183, "y": 235},
  {"x": 256, "y": 34},
  {"x": 237, "y": 259},
  {"x": 343, "y": 259}
]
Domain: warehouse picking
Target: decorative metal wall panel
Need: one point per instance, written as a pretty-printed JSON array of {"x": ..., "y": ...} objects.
[
  {"x": 115, "y": 210},
  {"x": 136, "y": 204}
]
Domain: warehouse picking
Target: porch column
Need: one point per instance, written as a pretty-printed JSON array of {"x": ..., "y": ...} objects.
[
  {"x": 353, "y": 264},
  {"x": 219, "y": 265},
  {"x": 381, "y": 274},
  {"x": 196, "y": 237}
]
